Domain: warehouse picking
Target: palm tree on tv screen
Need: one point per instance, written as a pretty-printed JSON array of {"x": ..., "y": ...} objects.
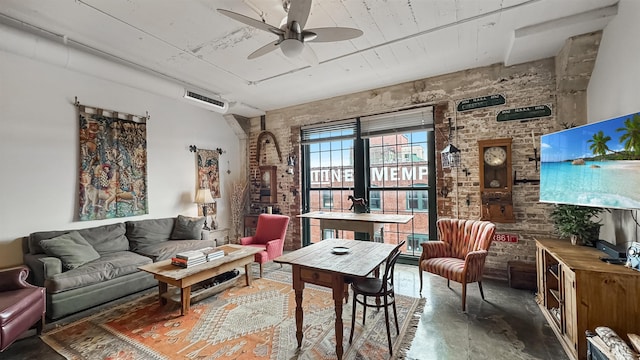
[
  {"x": 599, "y": 143},
  {"x": 631, "y": 137}
]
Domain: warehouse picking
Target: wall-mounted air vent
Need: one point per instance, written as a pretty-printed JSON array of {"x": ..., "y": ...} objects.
[{"x": 216, "y": 104}]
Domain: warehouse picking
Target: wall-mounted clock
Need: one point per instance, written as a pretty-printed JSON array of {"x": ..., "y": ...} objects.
[
  {"x": 495, "y": 180},
  {"x": 495, "y": 156}
]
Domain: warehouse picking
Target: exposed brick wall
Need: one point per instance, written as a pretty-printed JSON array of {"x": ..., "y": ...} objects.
[{"x": 522, "y": 85}]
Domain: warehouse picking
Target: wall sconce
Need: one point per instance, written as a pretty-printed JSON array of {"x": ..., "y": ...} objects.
[
  {"x": 450, "y": 156},
  {"x": 444, "y": 191},
  {"x": 535, "y": 157},
  {"x": 291, "y": 162}
]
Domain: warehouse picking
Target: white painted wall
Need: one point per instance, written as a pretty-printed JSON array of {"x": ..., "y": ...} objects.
[
  {"x": 614, "y": 91},
  {"x": 39, "y": 146}
]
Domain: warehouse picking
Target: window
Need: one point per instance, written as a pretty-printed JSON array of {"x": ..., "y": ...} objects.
[
  {"x": 327, "y": 176},
  {"x": 389, "y": 158},
  {"x": 327, "y": 199},
  {"x": 328, "y": 234},
  {"x": 414, "y": 241},
  {"x": 375, "y": 202},
  {"x": 418, "y": 200}
]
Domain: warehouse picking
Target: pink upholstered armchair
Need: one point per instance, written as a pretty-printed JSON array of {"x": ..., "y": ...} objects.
[
  {"x": 270, "y": 234},
  {"x": 460, "y": 252},
  {"x": 22, "y": 305}
]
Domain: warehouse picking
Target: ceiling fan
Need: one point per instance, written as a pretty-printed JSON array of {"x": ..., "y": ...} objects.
[{"x": 291, "y": 35}]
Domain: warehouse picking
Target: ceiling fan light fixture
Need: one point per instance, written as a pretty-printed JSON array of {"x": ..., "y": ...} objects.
[
  {"x": 291, "y": 33},
  {"x": 291, "y": 47}
]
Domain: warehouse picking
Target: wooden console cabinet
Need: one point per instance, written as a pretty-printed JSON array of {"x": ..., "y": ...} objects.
[
  {"x": 221, "y": 236},
  {"x": 250, "y": 224},
  {"x": 578, "y": 292}
]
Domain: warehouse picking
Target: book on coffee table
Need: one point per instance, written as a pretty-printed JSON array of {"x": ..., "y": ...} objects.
[
  {"x": 187, "y": 263},
  {"x": 196, "y": 257},
  {"x": 213, "y": 254},
  {"x": 191, "y": 254}
]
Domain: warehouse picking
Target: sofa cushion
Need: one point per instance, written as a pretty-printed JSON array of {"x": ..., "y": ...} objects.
[
  {"x": 109, "y": 266},
  {"x": 167, "y": 249},
  {"x": 71, "y": 248},
  {"x": 187, "y": 228},
  {"x": 104, "y": 238},
  {"x": 142, "y": 233}
]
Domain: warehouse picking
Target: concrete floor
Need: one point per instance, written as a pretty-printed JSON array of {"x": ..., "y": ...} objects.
[{"x": 508, "y": 325}]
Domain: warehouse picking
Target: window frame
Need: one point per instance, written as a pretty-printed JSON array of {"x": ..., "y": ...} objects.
[
  {"x": 327, "y": 194},
  {"x": 411, "y": 239},
  {"x": 420, "y": 199},
  {"x": 375, "y": 202},
  {"x": 330, "y": 232}
]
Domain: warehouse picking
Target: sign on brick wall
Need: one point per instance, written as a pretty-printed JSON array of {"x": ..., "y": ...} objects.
[
  {"x": 504, "y": 237},
  {"x": 523, "y": 113},
  {"x": 481, "y": 102}
]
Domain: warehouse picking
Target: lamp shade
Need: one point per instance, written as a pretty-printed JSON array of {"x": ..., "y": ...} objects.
[{"x": 203, "y": 196}]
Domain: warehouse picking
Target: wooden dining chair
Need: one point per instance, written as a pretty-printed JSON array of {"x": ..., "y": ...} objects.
[{"x": 377, "y": 289}]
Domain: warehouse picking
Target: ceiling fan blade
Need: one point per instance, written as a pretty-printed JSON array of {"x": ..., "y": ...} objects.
[
  {"x": 264, "y": 50},
  {"x": 299, "y": 11},
  {"x": 334, "y": 34},
  {"x": 309, "y": 56},
  {"x": 251, "y": 22},
  {"x": 308, "y": 35}
]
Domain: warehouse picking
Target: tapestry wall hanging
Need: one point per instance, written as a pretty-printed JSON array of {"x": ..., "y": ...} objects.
[
  {"x": 208, "y": 176},
  {"x": 113, "y": 165}
]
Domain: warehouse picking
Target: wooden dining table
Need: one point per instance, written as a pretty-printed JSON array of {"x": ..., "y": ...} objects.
[
  {"x": 361, "y": 222},
  {"x": 327, "y": 263}
]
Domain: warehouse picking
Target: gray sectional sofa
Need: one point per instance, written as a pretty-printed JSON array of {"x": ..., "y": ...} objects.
[{"x": 88, "y": 267}]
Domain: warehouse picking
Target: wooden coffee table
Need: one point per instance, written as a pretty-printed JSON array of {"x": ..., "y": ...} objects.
[{"x": 235, "y": 256}]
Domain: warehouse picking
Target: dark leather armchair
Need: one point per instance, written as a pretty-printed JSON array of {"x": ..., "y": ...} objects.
[
  {"x": 269, "y": 237},
  {"x": 22, "y": 305}
]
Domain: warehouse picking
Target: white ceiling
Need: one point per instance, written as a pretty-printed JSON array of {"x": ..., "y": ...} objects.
[{"x": 189, "y": 42}]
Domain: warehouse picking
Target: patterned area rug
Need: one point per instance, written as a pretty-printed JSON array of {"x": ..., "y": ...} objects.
[{"x": 255, "y": 322}]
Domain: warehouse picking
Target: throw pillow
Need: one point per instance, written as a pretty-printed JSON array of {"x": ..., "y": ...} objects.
[
  {"x": 71, "y": 248},
  {"x": 187, "y": 228}
]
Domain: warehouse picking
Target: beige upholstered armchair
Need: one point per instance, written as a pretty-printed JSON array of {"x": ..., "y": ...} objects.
[{"x": 460, "y": 252}]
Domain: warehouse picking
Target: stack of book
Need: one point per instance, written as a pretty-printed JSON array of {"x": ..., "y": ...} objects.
[
  {"x": 196, "y": 257},
  {"x": 213, "y": 254},
  {"x": 189, "y": 258}
]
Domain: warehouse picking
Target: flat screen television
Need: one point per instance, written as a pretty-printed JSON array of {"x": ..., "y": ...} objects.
[{"x": 593, "y": 165}]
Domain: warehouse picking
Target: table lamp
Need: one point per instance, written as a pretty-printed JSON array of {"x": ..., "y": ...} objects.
[{"x": 203, "y": 197}]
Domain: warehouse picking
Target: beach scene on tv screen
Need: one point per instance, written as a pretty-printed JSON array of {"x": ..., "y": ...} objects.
[{"x": 593, "y": 165}]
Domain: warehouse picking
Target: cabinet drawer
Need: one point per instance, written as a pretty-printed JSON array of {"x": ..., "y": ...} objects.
[{"x": 316, "y": 277}]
